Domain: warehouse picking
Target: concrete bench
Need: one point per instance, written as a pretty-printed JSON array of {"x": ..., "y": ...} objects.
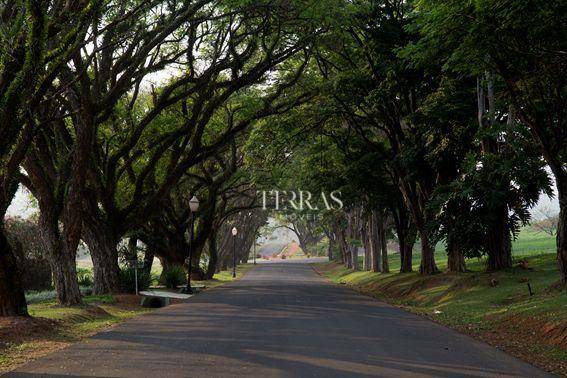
[
  {"x": 196, "y": 288},
  {"x": 156, "y": 299}
]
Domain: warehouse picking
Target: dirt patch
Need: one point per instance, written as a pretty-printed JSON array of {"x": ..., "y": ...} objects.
[
  {"x": 37, "y": 336},
  {"x": 528, "y": 338},
  {"x": 556, "y": 334},
  {"x": 18, "y": 329},
  {"x": 549, "y": 332}
]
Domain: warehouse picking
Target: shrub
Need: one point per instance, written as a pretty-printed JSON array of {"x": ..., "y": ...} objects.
[
  {"x": 29, "y": 247},
  {"x": 173, "y": 276},
  {"x": 36, "y": 275},
  {"x": 128, "y": 282},
  {"x": 27, "y": 235},
  {"x": 85, "y": 277}
]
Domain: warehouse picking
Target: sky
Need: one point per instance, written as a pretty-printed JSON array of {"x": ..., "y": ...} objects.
[{"x": 22, "y": 205}]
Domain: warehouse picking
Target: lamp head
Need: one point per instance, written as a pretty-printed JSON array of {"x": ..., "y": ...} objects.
[
  {"x": 194, "y": 204},
  {"x": 234, "y": 231}
]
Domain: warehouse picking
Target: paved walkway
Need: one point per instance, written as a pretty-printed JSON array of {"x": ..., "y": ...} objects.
[{"x": 282, "y": 319}]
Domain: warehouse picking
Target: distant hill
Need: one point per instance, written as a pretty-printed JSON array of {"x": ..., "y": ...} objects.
[
  {"x": 276, "y": 250},
  {"x": 269, "y": 249}
]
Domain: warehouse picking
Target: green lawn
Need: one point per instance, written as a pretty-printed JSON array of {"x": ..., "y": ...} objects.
[
  {"x": 528, "y": 243},
  {"x": 466, "y": 298}
]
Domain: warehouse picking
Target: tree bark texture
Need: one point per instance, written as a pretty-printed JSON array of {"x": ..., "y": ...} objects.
[
  {"x": 455, "y": 259},
  {"x": 383, "y": 244},
  {"x": 375, "y": 245},
  {"x": 12, "y": 298},
  {"x": 102, "y": 246},
  {"x": 427, "y": 265},
  {"x": 62, "y": 259}
]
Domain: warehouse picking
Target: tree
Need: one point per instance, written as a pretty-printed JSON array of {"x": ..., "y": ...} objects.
[
  {"x": 523, "y": 45},
  {"x": 114, "y": 149},
  {"x": 548, "y": 220},
  {"x": 378, "y": 96},
  {"x": 41, "y": 39},
  {"x": 57, "y": 164}
]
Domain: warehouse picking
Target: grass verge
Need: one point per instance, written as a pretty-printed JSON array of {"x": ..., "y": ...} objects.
[
  {"x": 52, "y": 327},
  {"x": 494, "y": 307}
]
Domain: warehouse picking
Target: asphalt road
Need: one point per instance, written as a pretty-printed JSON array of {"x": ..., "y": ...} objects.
[{"x": 281, "y": 319}]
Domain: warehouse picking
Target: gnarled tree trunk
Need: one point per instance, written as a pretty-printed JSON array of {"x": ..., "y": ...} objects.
[
  {"x": 427, "y": 265},
  {"x": 12, "y": 298},
  {"x": 102, "y": 246},
  {"x": 62, "y": 260}
]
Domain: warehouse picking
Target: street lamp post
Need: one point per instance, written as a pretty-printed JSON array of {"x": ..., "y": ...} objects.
[
  {"x": 193, "y": 206},
  {"x": 234, "y": 232}
]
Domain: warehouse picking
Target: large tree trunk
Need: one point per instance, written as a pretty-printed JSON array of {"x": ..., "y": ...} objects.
[
  {"x": 367, "y": 248},
  {"x": 148, "y": 260},
  {"x": 499, "y": 243},
  {"x": 354, "y": 256},
  {"x": 415, "y": 203},
  {"x": 104, "y": 254},
  {"x": 455, "y": 259},
  {"x": 63, "y": 262},
  {"x": 406, "y": 239},
  {"x": 375, "y": 244},
  {"x": 65, "y": 278},
  {"x": 166, "y": 265},
  {"x": 427, "y": 265},
  {"x": 12, "y": 298}
]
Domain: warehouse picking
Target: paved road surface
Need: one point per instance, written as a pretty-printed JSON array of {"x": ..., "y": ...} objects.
[{"x": 282, "y": 319}]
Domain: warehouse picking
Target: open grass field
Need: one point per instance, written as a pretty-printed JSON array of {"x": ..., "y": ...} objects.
[
  {"x": 495, "y": 307},
  {"x": 528, "y": 243}
]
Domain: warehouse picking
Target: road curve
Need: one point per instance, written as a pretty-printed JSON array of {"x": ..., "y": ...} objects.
[{"x": 280, "y": 320}]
